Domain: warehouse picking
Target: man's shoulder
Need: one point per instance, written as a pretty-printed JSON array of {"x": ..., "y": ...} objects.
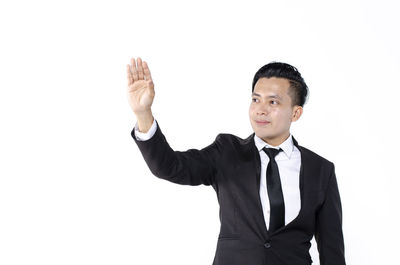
[
  {"x": 232, "y": 145},
  {"x": 235, "y": 140},
  {"x": 311, "y": 155}
]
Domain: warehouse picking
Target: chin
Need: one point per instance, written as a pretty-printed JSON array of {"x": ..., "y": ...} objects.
[
  {"x": 262, "y": 135},
  {"x": 266, "y": 137}
]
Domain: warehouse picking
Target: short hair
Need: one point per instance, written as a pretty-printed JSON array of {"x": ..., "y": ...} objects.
[{"x": 299, "y": 89}]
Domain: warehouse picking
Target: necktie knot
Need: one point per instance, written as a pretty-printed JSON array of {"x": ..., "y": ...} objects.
[{"x": 271, "y": 152}]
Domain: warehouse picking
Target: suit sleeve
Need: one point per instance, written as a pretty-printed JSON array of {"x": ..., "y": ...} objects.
[
  {"x": 328, "y": 233},
  {"x": 191, "y": 167}
]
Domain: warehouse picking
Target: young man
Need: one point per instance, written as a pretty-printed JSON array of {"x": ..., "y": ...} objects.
[{"x": 274, "y": 194}]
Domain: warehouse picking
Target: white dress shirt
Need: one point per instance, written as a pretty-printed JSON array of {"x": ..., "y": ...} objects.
[{"x": 288, "y": 161}]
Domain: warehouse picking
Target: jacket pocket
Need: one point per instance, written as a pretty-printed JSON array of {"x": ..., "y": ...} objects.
[{"x": 221, "y": 238}]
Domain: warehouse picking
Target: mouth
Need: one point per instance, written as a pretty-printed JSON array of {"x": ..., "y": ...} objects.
[{"x": 262, "y": 122}]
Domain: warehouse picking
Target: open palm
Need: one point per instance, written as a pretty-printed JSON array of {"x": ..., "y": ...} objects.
[{"x": 140, "y": 86}]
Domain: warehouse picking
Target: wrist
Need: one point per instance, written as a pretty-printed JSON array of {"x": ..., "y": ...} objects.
[{"x": 145, "y": 120}]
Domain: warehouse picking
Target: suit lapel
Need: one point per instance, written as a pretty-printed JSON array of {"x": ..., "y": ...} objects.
[
  {"x": 251, "y": 155},
  {"x": 303, "y": 170}
]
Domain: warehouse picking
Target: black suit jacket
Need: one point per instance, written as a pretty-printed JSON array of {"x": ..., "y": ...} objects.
[{"x": 232, "y": 166}]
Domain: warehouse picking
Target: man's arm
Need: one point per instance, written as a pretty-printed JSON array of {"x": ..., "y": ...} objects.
[
  {"x": 193, "y": 167},
  {"x": 328, "y": 233}
]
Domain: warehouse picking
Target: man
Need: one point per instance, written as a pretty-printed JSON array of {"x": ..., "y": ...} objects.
[{"x": 274, "y": 194}]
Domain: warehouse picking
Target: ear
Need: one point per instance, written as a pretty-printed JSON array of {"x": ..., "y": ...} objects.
[{"x": 297, "y": 111}]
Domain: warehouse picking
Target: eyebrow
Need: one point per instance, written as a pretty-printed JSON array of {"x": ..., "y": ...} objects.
[{"x": 271, "y": 96}]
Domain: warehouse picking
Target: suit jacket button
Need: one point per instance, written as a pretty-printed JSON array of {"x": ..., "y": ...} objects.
[{"x": 267, "y": 245}]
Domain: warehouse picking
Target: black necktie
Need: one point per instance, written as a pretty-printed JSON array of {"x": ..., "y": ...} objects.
[{"x": 275, "y": 195}]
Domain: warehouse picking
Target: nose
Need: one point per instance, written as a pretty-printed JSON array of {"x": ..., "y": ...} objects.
[{"x": 262, "y": 109}]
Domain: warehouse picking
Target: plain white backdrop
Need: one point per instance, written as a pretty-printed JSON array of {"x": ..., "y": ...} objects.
[{"x": 74, "y": 188}]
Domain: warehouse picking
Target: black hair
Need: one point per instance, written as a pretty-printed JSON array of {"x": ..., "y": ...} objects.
[{"x": 299, "y": 89}]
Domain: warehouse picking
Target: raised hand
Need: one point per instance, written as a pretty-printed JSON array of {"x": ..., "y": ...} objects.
[
  {"x": 140, "y": 86},
  {"x": 140, "y": 93}
]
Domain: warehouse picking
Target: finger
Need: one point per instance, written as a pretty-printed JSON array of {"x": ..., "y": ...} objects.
[
  {"x": 129, "y": 74},
  {"x": 147, "y": 73},
  {"x": 134, "y": 70},
  {"x": 140, "y": 68}
]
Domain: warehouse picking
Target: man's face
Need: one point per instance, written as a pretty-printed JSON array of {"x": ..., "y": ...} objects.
[{"x": 271, "y": 112}]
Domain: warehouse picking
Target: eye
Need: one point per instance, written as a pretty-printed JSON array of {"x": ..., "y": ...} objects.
[
  {"x": 254, "y": 99},
  {"x": 274, "y": 102}
]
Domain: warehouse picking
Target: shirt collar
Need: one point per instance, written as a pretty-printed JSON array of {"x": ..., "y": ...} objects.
[{"x": 287, "y": 146}]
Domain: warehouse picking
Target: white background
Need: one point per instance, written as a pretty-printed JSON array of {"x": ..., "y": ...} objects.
[{"x": 74, "y": 188}]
